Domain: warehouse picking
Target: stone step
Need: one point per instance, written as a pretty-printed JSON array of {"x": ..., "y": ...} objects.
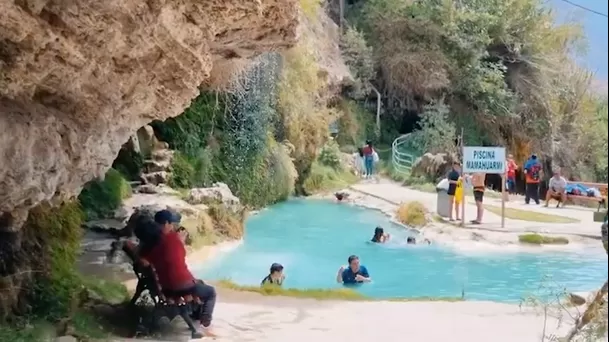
[{"x": 151, "y": 165}]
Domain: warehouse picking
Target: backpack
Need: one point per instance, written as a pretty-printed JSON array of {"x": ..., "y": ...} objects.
[{"x": 534, "y": 172}]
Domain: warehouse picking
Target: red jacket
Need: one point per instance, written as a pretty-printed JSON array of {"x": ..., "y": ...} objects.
[
  {"x": 169, "y": 261},
  {"x": 512, "y": 166}
]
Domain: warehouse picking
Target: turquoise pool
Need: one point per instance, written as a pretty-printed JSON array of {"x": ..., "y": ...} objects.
[{"x": 312, "y": 239}]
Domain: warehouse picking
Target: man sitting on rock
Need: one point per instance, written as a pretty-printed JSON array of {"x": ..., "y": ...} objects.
[{"x": 168, "y": 256}]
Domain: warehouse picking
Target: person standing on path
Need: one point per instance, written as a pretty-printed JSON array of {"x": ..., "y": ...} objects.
[
  {"x": 532, "y": 171},
  {"x": 511, "y": 174},
  {"x": 453, "y": 183},
  {"x": 478, "y": 180},
  {"x": 368, "y": 158}
]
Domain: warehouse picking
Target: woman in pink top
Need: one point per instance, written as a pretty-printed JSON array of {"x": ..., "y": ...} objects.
[{"x": 368, "y": 158}]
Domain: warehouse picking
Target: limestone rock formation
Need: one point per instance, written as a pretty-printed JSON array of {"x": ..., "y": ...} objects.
[
  {"x": 78, "y": 78},
  {"x": 218, "y": 193},
  {"x": 432, "y": 166},
  {"x": 324, "y": 35}
]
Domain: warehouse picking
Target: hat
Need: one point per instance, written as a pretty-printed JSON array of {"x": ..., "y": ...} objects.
[{"x": 166, "y": 216}]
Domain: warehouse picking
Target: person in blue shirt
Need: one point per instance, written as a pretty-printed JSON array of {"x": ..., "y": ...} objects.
[{"x": 354, "y": 273}]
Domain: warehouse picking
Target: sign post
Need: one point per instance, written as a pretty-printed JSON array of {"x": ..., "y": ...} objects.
[
  {"x": 503, "y": 180},
  {"x": 479, "y": 159}
]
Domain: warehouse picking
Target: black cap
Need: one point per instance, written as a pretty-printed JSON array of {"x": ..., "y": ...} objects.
[
  {"x": 276, "y": 267},
  {"x": 167, "y": 216}
]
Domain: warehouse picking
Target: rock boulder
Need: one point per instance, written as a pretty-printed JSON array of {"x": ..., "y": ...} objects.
[
  {"x": 80, "y": 77},
  {"x": 219, "y": 193},
  {"x": 432, "y": 167}
]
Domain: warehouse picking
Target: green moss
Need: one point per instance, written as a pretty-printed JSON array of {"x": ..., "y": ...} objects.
[
  {"x": 538, "y": 239},
  {"x": 55, "y": 234},
  {"x": 99, "y": 198},
  {"x": 108, "y": 291},
  {"x": 34, "y": 331},
  {"x": 321, "y": 294},
  {"x": 527, "y": 215}
]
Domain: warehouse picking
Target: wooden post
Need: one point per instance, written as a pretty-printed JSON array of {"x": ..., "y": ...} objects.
[{"x": 503, "y": 194}]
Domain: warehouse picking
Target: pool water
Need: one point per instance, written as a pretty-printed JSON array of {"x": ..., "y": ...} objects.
[{"x": 313, "y": 238}]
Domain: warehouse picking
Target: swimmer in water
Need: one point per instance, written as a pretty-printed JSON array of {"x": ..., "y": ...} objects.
[
  {"x": 275, "y": 277},
  {"x": 379, "y": 236},
  {"x": 340, "y": 196},
  {"x": 412, "y": 241}
]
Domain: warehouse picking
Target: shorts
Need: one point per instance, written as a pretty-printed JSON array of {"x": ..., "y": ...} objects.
[{"x": 478, "y": 195}]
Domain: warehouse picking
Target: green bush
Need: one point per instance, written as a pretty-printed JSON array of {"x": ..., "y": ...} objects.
[
  {"x": 99, "y": 198},
  {"x": 330, "y": 155},
  {"x": 413, "y": 214},
  {"x": 324, "y": 179},
  {"x": 182, "y": 172},
  {"x": 437, "y": 133},
  {"x": 355, "y": 125}
]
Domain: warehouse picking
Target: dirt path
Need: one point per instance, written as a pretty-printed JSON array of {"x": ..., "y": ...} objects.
[{"x": 395, "y": 193}]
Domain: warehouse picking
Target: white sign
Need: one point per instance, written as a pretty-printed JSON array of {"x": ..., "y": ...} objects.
[{"x": 483, "y": 159}]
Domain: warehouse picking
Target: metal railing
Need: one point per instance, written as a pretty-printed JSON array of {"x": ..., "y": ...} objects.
[{"x": 402, "y": 161}]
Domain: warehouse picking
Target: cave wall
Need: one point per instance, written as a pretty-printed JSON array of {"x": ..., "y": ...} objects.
[{"x": 77, "y": 78}]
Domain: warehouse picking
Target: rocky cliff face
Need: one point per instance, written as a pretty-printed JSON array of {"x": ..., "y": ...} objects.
[{"x": 77, "y": 78}]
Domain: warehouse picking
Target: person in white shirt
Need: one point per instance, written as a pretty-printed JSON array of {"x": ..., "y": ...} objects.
[{"x": 557, "y": 189}]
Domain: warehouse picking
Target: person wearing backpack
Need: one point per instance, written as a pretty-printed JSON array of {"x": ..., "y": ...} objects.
[{"x": 532, "y": 172}]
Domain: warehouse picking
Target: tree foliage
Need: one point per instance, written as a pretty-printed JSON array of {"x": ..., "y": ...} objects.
[
  {"x": 504, "y": 68},
  {"x": 436, "y": 133}
]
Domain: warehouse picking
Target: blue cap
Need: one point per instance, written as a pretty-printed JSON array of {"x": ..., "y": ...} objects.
[{"x": 166, "y": 216}]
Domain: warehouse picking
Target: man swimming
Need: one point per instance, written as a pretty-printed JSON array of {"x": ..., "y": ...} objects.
[{"x": 354, "y": 273}]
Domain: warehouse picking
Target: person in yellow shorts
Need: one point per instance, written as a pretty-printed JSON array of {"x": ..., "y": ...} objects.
[
  {"x": 453, "y": 178},
  {"x": 458, "y": 197}
]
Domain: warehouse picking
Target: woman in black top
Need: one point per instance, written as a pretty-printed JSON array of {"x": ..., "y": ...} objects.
[
  {"x": 453, "y": 179},
  {"x": 379, "y": 236}
]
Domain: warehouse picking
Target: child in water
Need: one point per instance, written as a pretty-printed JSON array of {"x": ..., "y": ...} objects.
[
  {"x": 275, "y": 277},
  {"x": 412, "y": 241},
  {"x": 379, "y": 236}
]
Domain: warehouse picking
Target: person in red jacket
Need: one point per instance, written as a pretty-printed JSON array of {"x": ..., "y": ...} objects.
[
  {"x": 168, "y": 256},
  {"x": 511, "y": 174}
]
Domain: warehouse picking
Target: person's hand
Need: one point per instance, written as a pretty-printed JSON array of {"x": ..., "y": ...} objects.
[
  {"x": 183, "y": 235},
  {"x": 360, "y": 278},
  {"x": 341, "y": 269}
]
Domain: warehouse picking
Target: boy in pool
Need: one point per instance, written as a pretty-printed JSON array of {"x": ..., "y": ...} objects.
[
  {"x": 275, "y": 276},
  {"x": 354, "y": 273}
]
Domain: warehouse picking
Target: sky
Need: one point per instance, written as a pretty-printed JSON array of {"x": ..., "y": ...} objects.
[{"x": 595, "y": 28}]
